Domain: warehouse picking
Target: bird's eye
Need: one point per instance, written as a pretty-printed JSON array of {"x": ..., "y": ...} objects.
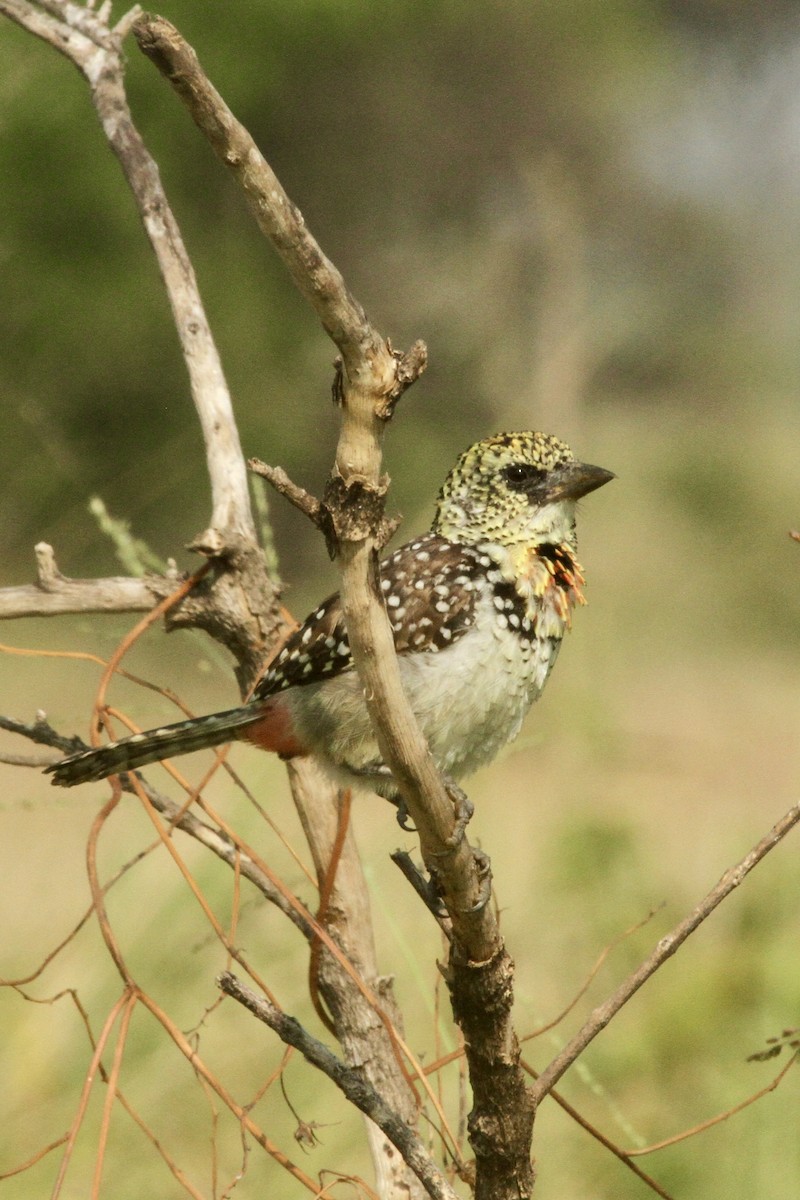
[{"x": 520, "y": 476}]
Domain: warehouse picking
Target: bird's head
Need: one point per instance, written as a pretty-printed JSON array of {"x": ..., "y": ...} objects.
[{"x": 513, "y": 489}]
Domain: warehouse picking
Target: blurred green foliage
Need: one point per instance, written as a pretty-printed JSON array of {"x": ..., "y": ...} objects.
[
  {"x": 590, "y": 213},
  {"x": 432, "y": 159}
]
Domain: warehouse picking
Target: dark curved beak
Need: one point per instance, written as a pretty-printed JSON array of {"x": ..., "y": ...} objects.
[{"x": 575, "y": 479}]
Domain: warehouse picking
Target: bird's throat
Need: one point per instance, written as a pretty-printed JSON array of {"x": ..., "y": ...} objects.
[{"x": 546, "y": 577}]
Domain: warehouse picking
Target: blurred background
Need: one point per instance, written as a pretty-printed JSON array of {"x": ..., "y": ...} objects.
[{"x": 591, "y": 214}]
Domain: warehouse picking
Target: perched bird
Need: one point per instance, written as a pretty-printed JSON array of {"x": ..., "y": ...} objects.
[{"x": 478, "y": 608}]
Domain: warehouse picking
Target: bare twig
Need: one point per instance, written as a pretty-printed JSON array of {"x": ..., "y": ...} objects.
[
  {"x": 423, "y": 887},
  {"x": 78, "y": 39},
  {"x": 623, "y": 1155},
  {"x": 296, "y": 495},
  {"x": 665, "y": 948},
  {"x": 84, "y": 37},
  {"x": 53, "y": 594},
  {"x": 316, "y": 277},
  {"x": 21, "y": 1168},
  {"x": 43, "y": 734},
  {"x": 27, "y": 760},
  {"x": 350, "y": 1080},
  {"x": 178, "y": 816},
  {"x": 730, "y": 1112}
]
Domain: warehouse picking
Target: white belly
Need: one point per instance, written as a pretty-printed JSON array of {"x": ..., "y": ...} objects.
[{"x": 469, "y": 698}]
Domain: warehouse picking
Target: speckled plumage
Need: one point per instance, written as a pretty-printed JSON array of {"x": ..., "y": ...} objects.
[{"x": 478, "y": 608}]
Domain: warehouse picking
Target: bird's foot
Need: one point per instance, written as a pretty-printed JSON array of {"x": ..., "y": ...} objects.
[
  {"x": 484, "y": 867},
  {"x": 380, "y": 779},
  {"x": 425, "y": 888},
  {"x": 464, "y": 809},
  {"x": 402, "y": 814}
]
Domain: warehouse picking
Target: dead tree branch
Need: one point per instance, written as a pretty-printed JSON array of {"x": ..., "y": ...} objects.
[
  {"x": 664, "y": 949},
  {"x": 54, "y": 594},
  {"x": 480, "y": 971},
  {"x": 350, "y": 1081},
  {"x": 83, "y": 37}
]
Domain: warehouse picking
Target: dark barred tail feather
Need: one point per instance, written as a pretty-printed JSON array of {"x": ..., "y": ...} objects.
[{"x": 199, "y": 733}]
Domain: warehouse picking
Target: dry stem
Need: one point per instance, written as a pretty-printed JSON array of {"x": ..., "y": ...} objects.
[
  {"x": 349, "y": 1080},
  {"x": 372, "y": 378},
  {"x": 664, "y": 949},
  {"x": 54, "y": 594}
]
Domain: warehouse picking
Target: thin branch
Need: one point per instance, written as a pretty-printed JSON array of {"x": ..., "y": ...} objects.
[
  {"x": 115, "y": 594},
  {"x": 88, "y": 1082},
  {"x": 665, "y": 948},
  {"x": 93, "y": 23},
  {"x": 54, "y": 594},
  {"x": 301, "y": 499},
  {"x": 317, "y": 278},
  {"x": 67, "y": 38},
  {"x": 28, "y": 760},
  {"x": 348, "y": 1079},
  {"x": 708, "y": 1124},
  {"x": 111, "y": 1079},
  {"x": 178, "y": 816},
  {"x": 231, "y": 513},
  {"x": 43, "y": 734},
  {"x": 623, "y": 1155},
  {"x": 423, "y": 887},
  {"x": 83, "y": 36},
  {"x": 35, "y": 1158}
]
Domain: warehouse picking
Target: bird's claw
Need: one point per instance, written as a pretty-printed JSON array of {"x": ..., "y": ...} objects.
[
  {"x": 402, "y": 816},
  {"x": 425, "y": 888},
  {"x": 484, "y": 867},
  {"x": 464, "y": 809},
  {"x": 463, "y": 806}
]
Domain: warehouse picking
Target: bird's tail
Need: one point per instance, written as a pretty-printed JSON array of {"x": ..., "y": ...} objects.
[{"x": 199, "y": 733}]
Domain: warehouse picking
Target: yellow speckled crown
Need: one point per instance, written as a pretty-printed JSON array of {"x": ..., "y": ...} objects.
[{"x": 474, "y": 503}]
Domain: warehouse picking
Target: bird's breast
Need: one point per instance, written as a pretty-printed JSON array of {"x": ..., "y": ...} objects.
[{"x": 549, "y": 580}]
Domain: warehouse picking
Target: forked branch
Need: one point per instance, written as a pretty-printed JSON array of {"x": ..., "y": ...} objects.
[
  {"x": 371, "y": 378},
  {"x": 348, "y": 1079}
]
